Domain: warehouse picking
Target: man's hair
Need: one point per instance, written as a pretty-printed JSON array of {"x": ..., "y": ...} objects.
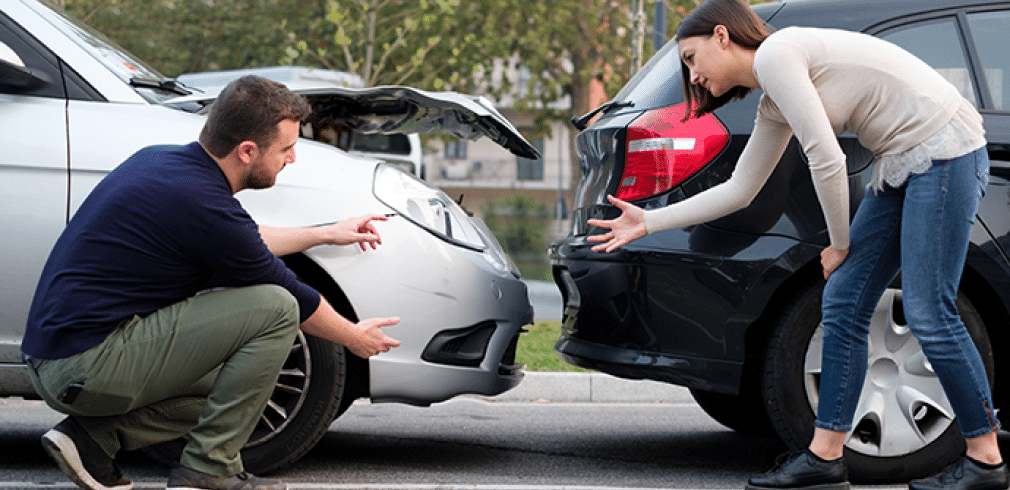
[
  {"x": 248, "y": 109},
  {"x": 745, "y": 28}
]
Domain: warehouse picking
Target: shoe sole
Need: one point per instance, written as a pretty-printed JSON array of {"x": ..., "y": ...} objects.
[
  {"x": 823, "y": 486},
  {"x": 195, "y": 488},
  {"x": 63, "y": 450}
]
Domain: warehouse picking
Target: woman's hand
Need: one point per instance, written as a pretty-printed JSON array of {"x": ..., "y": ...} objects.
[
  {"x": 630, "y": 225},
  {"x": 831, "y": 259}
]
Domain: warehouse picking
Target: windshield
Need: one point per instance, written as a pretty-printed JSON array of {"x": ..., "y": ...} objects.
[{"x": 126, "y": 66}]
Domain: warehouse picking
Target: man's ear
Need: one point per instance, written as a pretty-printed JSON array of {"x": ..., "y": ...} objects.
[{"x": 247, "y": 151}]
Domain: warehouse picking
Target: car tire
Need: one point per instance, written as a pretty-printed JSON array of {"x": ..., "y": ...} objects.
[
  {"x": 310, "y": 393},
  {"x": 744, "y": 413},
  {"x": 909, "y": 447}
]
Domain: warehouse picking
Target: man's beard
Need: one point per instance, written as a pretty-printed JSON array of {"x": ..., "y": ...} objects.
[{"x": 258, "y": 178}]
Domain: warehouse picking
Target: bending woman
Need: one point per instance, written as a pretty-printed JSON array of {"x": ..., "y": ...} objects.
[{"x": 932, "y": 169}]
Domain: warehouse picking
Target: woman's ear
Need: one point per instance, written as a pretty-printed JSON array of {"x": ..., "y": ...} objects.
[{"x": 721, "y": 34}]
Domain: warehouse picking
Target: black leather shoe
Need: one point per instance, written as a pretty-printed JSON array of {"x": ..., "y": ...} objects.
[
  {"x": 965, "y": 475},
  {"x": 803, "y": 470}
]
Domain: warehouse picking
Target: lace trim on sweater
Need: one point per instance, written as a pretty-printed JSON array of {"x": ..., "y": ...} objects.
[{"x": 962, "y": 135}]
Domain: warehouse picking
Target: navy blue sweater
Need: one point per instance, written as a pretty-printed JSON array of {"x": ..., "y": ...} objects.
[{"x": 158, "y": 229}]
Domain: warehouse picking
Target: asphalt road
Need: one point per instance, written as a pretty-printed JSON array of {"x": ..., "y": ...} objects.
[
  {"x": 466, "y": 443},
  {"x": 659, "y": 439}
]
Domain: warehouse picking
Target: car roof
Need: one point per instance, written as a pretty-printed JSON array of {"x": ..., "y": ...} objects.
[{"x": 860, "y": 15}]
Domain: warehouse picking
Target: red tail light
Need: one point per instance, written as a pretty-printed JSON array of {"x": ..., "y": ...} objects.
[{"x": 662, "y": 151}]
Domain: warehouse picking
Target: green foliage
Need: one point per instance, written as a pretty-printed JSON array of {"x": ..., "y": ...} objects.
[
  {"x": 177, "y": 36},
  {"x": 462, "y": 45},
  {"x": 535, "y": 350},
  {"x": 520, "y": 224}
]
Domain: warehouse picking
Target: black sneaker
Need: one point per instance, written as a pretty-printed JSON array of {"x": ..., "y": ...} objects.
[
  {"x": 80, "y": 457},
  {"x": 803, "y": 470},
  {"x": 183, "y": 478},
  {"x": 965, "y": 474}
]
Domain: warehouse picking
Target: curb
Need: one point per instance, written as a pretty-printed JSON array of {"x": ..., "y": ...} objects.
[{"x": 591, "y": 388}]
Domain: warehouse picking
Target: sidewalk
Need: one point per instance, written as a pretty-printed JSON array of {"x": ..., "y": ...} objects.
[{"x": 590, "y": 388}]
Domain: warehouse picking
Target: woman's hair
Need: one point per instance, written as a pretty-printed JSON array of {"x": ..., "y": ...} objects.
[
  {"x": 248, "y": 109},
  {"x": 745, "y": 29}
]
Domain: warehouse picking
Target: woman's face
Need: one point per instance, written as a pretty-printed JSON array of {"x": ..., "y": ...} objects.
[{"x": 707, "y": 58}]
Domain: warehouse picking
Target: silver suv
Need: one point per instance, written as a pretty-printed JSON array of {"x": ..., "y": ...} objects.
[{"x": 73, "y": 106}]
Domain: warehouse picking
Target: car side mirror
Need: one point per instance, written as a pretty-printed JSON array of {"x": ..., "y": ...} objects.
[{"x": 14, "y": 75}]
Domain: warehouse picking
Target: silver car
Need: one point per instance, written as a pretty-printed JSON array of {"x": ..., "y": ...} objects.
[{"x": 73, "y": 106}]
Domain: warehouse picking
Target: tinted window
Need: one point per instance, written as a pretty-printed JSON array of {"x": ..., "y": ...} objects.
[
  {"x": 937, "y": 43},
  {"x": 34, "y": 56},
  {"x": 527, "y": 169},
  {"x": 989, "y": 30},
  {"x": 396, "y": 144},
  {"x": 658, "y": 83}
]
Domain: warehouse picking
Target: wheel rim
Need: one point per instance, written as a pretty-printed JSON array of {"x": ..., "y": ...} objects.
[
  {"x": 902, "y": 407},
  {"x": 288, "y": 395}
]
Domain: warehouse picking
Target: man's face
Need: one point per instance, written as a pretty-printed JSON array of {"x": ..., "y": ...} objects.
[{"x": 271, "y": 160}]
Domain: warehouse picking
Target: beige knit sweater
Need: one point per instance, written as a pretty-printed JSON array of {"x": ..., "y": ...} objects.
[{"x": 819, "y": 83}]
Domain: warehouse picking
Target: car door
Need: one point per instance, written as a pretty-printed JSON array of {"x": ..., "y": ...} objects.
[
  {"x": 988, "y": 31},
  {"x": 969, "y": 49},
  {"x": 33, "y": 174}
]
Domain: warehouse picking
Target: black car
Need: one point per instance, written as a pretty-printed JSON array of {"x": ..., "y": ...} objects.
[{"x": 731, "y": 308}]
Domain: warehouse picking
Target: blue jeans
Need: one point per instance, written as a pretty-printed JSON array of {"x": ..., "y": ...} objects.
[{"x": 921, "y": 228}]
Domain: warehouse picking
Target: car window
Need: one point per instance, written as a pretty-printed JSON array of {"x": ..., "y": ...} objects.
[
  {"x": 938, "y": 44},
  {"x": 396, "y": 144},
  {"x": 658, "y": 83},
  {"x": 34, "y": 56},
  {"x": 989, "y": 32}
]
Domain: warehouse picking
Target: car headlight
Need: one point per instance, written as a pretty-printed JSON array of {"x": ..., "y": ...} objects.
[
  {"x": 426, "y": 206},
  {"x": 432, "y": 210}
]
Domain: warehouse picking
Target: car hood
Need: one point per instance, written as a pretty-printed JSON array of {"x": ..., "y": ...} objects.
[{"x": 397, "y": 109}]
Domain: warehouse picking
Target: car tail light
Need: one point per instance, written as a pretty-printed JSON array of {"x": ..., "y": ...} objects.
[{"x": 662, "y": 151}]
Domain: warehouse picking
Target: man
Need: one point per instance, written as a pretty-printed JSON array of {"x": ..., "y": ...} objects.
[{"x": 163, "y": 310}]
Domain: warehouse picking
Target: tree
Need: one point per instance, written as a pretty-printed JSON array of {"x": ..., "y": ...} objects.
[
  {"x": 178, "y": 36},
  {"x": 422, "y": 43}
]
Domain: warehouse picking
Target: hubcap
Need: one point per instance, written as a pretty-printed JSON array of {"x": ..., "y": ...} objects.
[{"x": 902, "y": 407}]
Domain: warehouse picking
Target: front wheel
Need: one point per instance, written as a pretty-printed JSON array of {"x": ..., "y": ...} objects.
[{"x": 904, "y": 427}]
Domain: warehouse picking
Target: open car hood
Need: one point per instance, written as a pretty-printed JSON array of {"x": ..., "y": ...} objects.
[{"x": 396, "y": 109}]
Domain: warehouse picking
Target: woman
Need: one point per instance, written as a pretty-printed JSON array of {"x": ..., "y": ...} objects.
[{"x": 932, "y": 168}]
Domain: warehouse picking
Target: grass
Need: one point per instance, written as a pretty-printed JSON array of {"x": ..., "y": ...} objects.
[{"x": 536, "y": 348}]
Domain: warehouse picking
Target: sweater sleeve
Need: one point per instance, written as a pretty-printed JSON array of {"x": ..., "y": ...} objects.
[
  {"x": 756, "y": 163},
  {"x": 784, "y": 75}
]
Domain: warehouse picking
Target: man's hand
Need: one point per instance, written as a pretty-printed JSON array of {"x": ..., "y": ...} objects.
[
  {"x": 358, "y": 230},
  {"x": 369, "y": 340},
  {"x": 831, "y": 259},
  {"x": 630, "y": 225},
  {"x": 365, "y": 338}
]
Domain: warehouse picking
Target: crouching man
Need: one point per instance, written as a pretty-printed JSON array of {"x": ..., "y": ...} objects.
[{"x": 162, "y": 311}]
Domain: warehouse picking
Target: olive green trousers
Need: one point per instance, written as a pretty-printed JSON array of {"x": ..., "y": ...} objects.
[{"x": 202, "y": 369}]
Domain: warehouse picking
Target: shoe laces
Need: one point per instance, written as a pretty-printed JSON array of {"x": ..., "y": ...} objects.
[
  {"x": 953, "y": 472},
  {"x": 785, "y": 458}
]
